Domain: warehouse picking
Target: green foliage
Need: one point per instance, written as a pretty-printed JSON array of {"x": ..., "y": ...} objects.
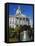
[
  {"x": 11, "y": 28},
  {"x": 17, "y": 29}
]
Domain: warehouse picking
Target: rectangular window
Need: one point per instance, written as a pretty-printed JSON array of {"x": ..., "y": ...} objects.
[{"x": 26, "y": 19}]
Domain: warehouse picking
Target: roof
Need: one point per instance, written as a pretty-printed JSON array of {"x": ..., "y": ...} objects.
[{"x": 19, "y": 15}]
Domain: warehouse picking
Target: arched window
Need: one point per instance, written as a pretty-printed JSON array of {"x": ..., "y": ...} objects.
[
  {"x": 23, "y": 18},
  {"x": 20, "y": 18},
  {"x": 16, "y": 17}
]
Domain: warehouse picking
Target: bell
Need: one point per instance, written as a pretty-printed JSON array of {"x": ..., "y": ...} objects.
[{"x": 24, "y": 36}]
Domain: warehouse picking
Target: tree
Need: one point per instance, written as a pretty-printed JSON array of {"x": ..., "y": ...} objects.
[{"x": 17, "y": 29}]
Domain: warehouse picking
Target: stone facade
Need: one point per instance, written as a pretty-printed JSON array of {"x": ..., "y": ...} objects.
[{"x": 18, "y": 19}]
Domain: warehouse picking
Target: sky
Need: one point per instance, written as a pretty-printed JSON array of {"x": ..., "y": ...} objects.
[{"x": 25, "y": 9}]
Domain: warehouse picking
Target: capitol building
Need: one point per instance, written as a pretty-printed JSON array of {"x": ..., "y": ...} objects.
[{"x": 18, "y": 19}]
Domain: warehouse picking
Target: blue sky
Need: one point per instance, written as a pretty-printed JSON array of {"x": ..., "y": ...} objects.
[{"x": 25, "y": 9}]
